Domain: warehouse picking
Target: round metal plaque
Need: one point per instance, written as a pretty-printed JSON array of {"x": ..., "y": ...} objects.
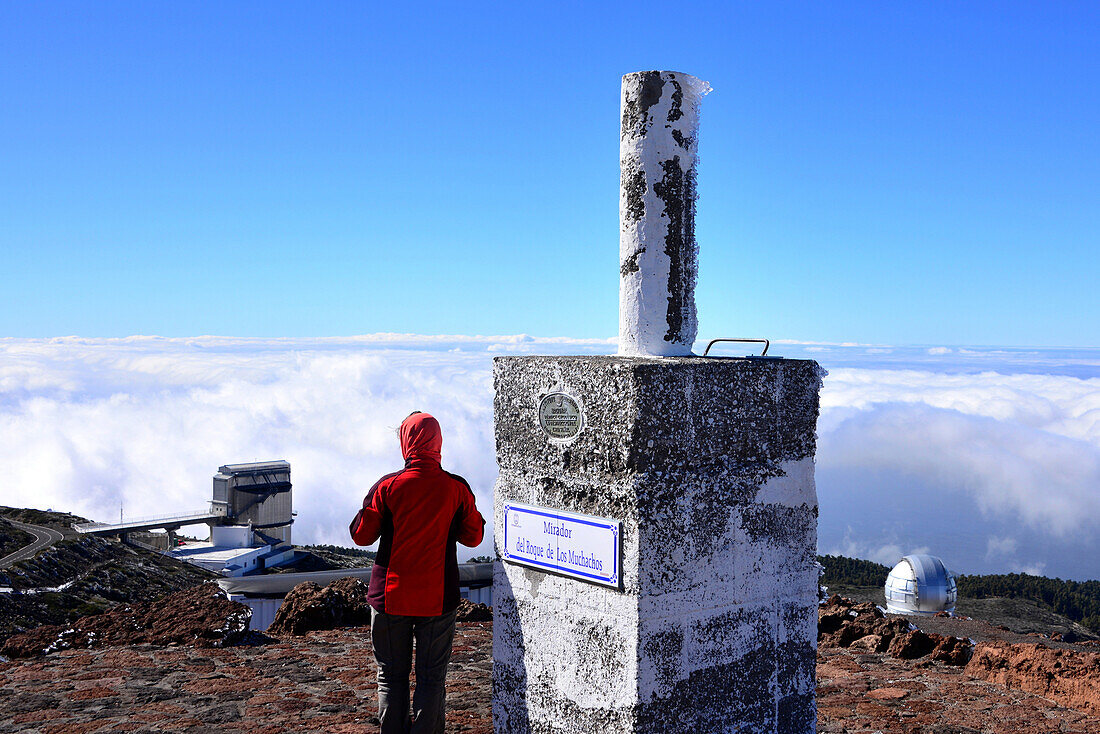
[{"x": 559, "y": 416}]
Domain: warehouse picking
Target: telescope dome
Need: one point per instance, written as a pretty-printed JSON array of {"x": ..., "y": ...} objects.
[{"x": 920, "y": 584}]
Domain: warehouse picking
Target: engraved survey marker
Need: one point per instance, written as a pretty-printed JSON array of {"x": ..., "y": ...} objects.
[{"x": 560, "y": 416}]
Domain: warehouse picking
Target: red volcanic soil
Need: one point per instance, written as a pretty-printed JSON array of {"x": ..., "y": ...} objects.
[
  {"x": 320, "y": 683},
  {"x": 874, "y": 674},
  {"x": 1070, "y": 677},
  {"x": 874, "y": 692}
]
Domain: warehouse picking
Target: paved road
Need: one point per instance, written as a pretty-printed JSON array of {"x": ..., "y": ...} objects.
[{"x": 43, "y": 538}]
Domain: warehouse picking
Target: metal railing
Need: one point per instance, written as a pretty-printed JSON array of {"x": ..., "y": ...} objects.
[{"x": 197, "y": 515}]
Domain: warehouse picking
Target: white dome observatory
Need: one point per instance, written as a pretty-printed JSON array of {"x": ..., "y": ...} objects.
[{"x": 920, "y": 584}]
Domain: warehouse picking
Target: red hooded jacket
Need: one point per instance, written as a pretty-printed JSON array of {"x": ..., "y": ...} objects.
[{"x": 418, "y": 513}]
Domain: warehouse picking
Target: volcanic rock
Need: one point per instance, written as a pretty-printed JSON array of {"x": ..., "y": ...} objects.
[
  {"x": 200, "y": 616},
  {"x": 912, "y": 645},
  {"x": 1068, "y": 677},
  {"x": 468, "y": 611},
  {"x": 952, "y": 650},
  {"x": 343, "y": 603},
  {"x": 863, "y": 627}
]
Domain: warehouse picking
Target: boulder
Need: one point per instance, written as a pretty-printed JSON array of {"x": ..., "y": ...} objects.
[
  {"x": 867, "y": 643},
  {"x": 468, "y": 611},
  {"x": 912, "y": 645},
  {"x": 843, "y": 623},
  {"x": 343, "y": 603},
  {"x": 952, "y": 650}
]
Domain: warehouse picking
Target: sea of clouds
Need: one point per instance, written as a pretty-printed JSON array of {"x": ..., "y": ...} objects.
[{"x": 989, "y": 458}]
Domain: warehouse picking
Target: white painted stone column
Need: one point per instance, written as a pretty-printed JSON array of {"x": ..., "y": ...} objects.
[
  {"x": 657, "y": 249},
  {"x": 690, "y": 479}
]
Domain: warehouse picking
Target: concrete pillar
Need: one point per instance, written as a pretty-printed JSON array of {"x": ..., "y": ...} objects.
[
  {"x": 657, "y": 250},
  {"x": 655, "y": 514},
  {"x": 709, "y": 466}
]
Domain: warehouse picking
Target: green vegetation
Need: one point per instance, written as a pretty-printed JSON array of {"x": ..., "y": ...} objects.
[
  {"x": 1078, "y": 601},
  {"x": 341, "y": 550},
  {"x": 841, "y": 571}
]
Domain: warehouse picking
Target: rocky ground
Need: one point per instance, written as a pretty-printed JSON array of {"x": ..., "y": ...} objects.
[
  {"x": 320, "y": 683},
  {"x": 875, "y": 673},
  {"x": 952, "y": 675},
  {"x": 324, "y": 682},
  {"x": 86, "y": 575},
  {"x": 12, "y": 538},
  {"x": 1022, "y": 616},
  {"x": 201, "y": 616},
  {"x": 859, "y": 691}
]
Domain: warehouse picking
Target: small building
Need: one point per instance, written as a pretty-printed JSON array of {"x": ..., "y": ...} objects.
[
  {"x": 232, "y": 551},
  {"x": 920, "y": 584}
]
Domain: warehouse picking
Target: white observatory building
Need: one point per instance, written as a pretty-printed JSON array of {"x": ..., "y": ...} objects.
[
  {"x": 920, "y": 584},
  {"x": 250, "y": 517}
]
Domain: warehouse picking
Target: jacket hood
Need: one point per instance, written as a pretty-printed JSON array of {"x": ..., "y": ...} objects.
[{"x": 421, "y": 438}]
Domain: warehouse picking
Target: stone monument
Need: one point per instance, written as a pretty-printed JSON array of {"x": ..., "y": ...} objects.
[{"x": 655, "y": 513}]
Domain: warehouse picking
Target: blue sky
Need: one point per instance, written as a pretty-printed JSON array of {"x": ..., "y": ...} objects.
[{"x": 869, "y": 172}]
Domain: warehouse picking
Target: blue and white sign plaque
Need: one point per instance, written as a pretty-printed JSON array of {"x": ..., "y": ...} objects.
[{"x": 581, "y": 546}]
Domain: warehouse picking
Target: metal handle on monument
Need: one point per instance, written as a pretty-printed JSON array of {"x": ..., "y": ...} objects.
[{"x": 766, "y": 342}]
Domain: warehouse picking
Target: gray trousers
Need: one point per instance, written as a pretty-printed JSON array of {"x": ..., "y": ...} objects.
[{"x": 393, "y": 635}]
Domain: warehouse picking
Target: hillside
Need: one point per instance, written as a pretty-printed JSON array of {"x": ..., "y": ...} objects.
[
  {"x": 326, "y": 558},
  {"x": 12, "y": 538},
  {"x": 82, "y": 575},
  {"x": 1020, "y": 602}
]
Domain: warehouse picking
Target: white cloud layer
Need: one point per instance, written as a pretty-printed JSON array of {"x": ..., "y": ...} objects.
[
  {"x": 1006, "y": 442},
  {"x": 945, "y": 455},
  {"x": 89, "y": 425}
]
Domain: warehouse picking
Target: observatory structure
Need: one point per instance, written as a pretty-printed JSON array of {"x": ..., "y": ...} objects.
[
  {"x": 250, "y": 515},
  {"x": 257, "y": 496},
  {"x": 920, "y": 584},
  {"x": 252, "y": 504}
]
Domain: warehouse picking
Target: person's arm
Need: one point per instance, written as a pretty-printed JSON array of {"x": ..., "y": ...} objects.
[
  {"x": 471, "y": 528},
  {"x": 366, "y": 527}
]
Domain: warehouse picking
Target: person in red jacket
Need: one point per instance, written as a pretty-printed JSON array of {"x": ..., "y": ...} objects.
[{"x": 417, "y": 515}]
